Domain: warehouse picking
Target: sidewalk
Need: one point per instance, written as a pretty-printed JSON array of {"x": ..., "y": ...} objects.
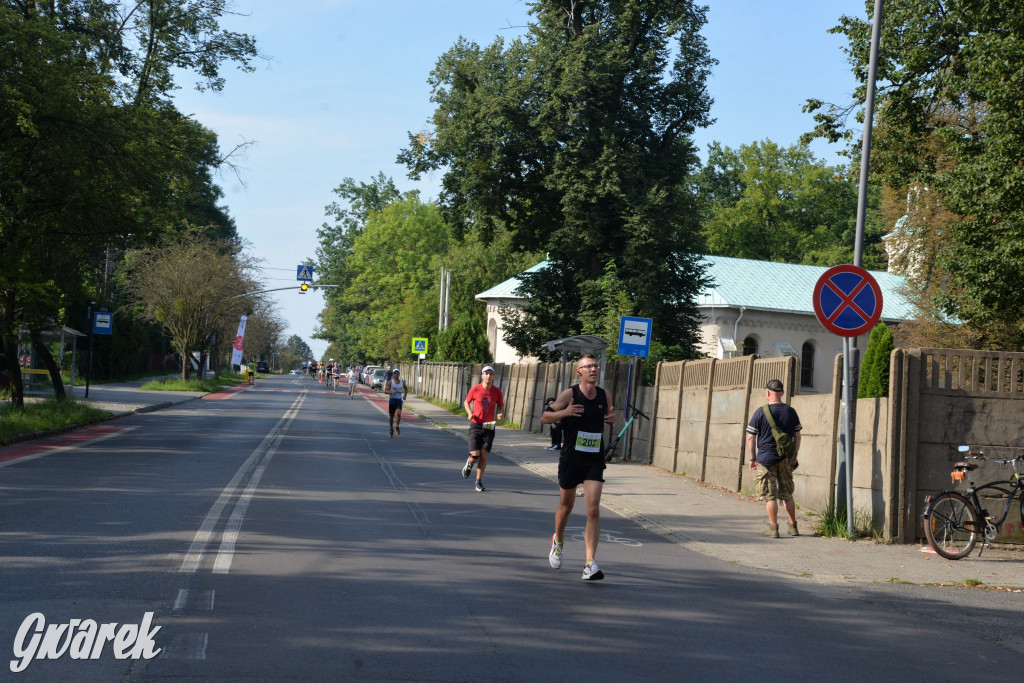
[
  {"x": 121, "y": 398},
  {"x": 705, "y": 519},
  {"x": 728, "y": 526}
]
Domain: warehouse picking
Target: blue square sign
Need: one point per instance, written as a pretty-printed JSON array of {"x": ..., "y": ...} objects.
[
  {"x": 635, "y": 337},
  {"x": 102, "y": 322}
]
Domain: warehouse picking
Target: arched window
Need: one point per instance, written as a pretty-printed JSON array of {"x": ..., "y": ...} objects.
[
  {"x": 749, "y": 346},
  {"x": 807, "y": 365}
]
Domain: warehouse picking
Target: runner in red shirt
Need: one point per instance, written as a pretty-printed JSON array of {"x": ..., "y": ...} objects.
[{"x": 484, "y": 406}]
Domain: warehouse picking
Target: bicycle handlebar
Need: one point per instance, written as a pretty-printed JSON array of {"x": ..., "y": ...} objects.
[{"x": 978, "y": 455}]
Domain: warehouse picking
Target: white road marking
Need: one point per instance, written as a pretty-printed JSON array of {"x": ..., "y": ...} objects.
[{"x": 194, "y": 557}]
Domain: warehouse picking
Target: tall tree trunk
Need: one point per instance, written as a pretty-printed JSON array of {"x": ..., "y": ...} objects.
[
  {"x": 9, "y": 345},
  {"x": 51, "y": 365}
]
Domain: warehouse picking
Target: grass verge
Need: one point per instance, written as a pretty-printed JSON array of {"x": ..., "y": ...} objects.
[
  {"x": 207, "y": 385},
  {"x": 46, "y": 416},
  {"x": 831, "y": 523}
]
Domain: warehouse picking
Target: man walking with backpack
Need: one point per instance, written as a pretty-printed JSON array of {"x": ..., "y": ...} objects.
[{"x": 775, "y": 431}]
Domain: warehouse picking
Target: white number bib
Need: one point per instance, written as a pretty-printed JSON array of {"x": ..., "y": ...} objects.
[
  {"x": 488, "y": 425},
  {"x": 588, "y": 442}
]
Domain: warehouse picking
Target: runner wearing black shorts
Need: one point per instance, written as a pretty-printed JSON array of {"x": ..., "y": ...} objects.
[{"x": 583, "y": 410}]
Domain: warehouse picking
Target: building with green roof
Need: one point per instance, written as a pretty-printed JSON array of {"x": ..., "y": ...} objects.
[{"x": 749, "y": 307}]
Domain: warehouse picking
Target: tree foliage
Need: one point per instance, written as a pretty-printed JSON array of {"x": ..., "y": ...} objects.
[
  {"x": 193, "y": 288},
  {"x": 465, "y": 340},
  {"x": 393, "y": 292},
  {"x": 771, "y": 203},
  {"x": 874, "y": 371},
  {"x": 575, "y": 140},
  {"x": 92, "y": 154},
  {"x": 948, "y": 121}
]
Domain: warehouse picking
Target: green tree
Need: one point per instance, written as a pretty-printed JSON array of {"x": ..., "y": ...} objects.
[
  {"x": 336, "y": 239},
  {"x": 92, "y": 153},
  {"x": 194, "y": 287},
  {"x": 874, "y": 372},
  {"x": 575, "y": 139},
  {"x": 770, "y": 203},
  {"x": 465, "y": 341},
  {"x": 948, "y": 121},
  {"x": 394, "y": 292}
]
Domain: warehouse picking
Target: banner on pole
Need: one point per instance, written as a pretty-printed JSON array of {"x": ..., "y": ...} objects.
[{"x": 236, "y": 354}]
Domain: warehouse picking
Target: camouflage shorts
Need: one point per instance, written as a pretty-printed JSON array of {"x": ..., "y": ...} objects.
[{"x": 774, "y": 482}]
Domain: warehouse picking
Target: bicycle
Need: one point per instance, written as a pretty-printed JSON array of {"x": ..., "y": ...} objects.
[{"x": 954, "y": 521}]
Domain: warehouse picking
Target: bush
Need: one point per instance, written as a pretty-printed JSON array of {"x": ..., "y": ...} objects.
[{"x": 874, "y": 372}]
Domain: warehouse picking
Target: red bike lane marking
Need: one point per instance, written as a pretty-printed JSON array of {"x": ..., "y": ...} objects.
[
  {"x": 78, "y": 437},
  {"x": 225, "y": 393}
]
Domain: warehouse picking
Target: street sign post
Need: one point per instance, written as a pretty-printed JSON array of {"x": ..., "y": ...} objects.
[
  {"x": 419, "y": 344},
  {"x": 848, "y": 302},
  {"x": 304, "y": 273},
  {"x": 634, "y": 340},
  {"x": 634, "y": 337}
]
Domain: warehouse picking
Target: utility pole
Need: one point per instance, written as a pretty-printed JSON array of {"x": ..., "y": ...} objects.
[{"x": 442, "y": 310}]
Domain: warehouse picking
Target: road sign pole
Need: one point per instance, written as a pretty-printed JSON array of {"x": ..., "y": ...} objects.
[
  {"x": 88, "y": 368},
  {"x": 629, "y": 390},
  {"x": 844, "y": 480}
]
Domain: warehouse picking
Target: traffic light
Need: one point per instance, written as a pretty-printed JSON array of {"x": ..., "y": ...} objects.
[{"x": 304, "y": 287}]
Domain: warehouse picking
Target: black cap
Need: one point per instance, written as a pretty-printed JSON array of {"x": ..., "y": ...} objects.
[{"x": 774, "y": 385}]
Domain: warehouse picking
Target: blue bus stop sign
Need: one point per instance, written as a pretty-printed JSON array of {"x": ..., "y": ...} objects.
[
  {"x": 635, "y": 337},
  {"x": 847, "y": 300},
  {"x": 102, "y": 322}
]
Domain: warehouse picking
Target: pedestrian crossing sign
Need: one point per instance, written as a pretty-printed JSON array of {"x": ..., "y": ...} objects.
[
  {"x": 304, "y": 273},
  {"x": 419, "y": 344}
]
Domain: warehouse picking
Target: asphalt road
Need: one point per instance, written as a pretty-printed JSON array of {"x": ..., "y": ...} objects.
[{"x": 278, "y": 533}]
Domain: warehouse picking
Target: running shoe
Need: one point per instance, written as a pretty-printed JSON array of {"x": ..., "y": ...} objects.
[
  {"x": 480, "y": 486},
  {"x": 391, "y": 432},
  {"x": 552, "y": 447},
  {"x": 467, "y": 469},
  {"x": 592, "y": 572},
  {"x": 555, "y": 555},
  {"x": 397, "y": 430}
]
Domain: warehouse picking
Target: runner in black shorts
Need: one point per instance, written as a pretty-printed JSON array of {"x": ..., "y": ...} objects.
[
  {"x": 484, "y": 406},
  {"x": 584, "y": 409}
]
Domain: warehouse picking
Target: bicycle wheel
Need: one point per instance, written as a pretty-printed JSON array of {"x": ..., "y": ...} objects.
[{"x": 952, "y": 526}]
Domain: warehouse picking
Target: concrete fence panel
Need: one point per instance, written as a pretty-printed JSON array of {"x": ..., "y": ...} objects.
[
  {"x": 665, "y": 418},
  {"x": 696, "y": 394},
  {"x": 728, "y": 418}
]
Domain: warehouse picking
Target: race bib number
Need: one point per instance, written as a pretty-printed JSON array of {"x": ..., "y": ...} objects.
[
  {"x": 489, "y": 425},
  {"x": 588, "y": 442}
]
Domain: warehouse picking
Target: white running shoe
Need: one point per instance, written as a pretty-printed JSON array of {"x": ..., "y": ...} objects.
[
  {"x": 592, "y": 572},
  {"x": 480, "y": 485},
  {"x": 467, "y": 469},
  {"x": 555, "y": 555}
]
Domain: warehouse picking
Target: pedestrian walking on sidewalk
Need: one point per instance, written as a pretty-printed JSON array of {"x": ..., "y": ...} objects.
[
  {"x": 484, "y": 406},
  {"x": 583, "y": 410},
  {"x": 556, "y": 429},
  {"x": 774, "y": 471},
  {"x": 396, "y": 390}
]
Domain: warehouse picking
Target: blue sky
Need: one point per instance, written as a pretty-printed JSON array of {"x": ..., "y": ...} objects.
[{"x": 347, "y": 80}]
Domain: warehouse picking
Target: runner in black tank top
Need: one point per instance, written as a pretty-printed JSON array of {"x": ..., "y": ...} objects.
[
  {"x": 582, "y": 439},
  {"x": 584, "y": 409}
]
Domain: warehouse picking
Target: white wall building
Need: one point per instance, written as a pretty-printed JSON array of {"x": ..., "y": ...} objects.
[{"x": 750, "y": 307}]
